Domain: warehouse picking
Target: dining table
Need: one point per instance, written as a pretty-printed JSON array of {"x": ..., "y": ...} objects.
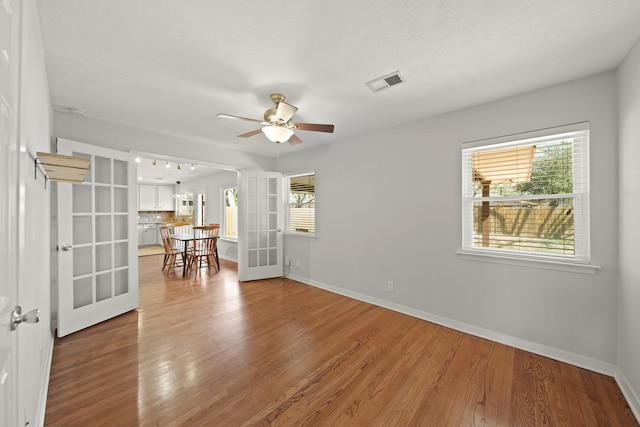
[{"x": 186, "y": 238}]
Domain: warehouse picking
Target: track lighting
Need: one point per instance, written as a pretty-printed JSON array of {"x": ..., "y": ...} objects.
[
  {"x": 178, "y": 166},
  {"x": 167, "y": 165},
  {"x": 192, "y": 167},
  {"x": 154, "y": 162}
]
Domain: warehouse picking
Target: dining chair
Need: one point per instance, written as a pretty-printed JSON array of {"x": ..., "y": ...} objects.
[
  {"x": 170, "y": 252},
  {"x": 215, "y": 224},
  {"x": 203, "y": 252},
  {"x": 179, "y": 228}
]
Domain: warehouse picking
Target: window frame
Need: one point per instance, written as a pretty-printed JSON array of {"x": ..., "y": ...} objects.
[
  {"x": 580, "y": 195},
  {"x": 286, "y": 192},
  {"x": 223, "y": 216}
]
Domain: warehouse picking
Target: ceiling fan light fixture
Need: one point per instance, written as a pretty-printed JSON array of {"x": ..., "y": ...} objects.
[
  {"x": 277, "y": 134},
  {"x": 277, "y": 125}
]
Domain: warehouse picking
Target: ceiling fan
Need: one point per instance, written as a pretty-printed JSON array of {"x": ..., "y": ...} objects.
[{"x": 278, "y": 126}]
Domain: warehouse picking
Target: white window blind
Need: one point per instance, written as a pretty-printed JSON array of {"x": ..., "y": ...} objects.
[
  {"x": 528, "y": 195},
  {"x": 300, "y": 209}
]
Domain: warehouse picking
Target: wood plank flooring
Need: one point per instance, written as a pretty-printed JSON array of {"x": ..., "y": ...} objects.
[
  {"x": 150, "y": 250},
  {"x": 215, "y": 352}
]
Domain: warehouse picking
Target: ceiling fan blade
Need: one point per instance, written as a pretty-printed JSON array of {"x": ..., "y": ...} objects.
[
  {"x": 294, "y": 140},
  {"x": 285, "y": 111},
  {"x": 252, "y": 133},
  {"x": 314, "y": 127},
  {"x": 229, "y": 116}
]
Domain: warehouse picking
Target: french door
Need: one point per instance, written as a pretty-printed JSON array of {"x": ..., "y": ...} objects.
[
  {"x": 9, "y": 202},
  {"x": 97, "y": 239},
  {"x": 260, "y": 223}
]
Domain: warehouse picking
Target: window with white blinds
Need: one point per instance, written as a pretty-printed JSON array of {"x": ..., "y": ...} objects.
[
  {"x": 528, "y": 195},
  {"x": 300, "y": 203}
]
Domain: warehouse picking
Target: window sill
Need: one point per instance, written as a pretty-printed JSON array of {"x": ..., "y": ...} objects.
[
  {"x": 528, "y": 262},
  {"x": 229, "y": 239},
  {"x": 304, "y": 236}
]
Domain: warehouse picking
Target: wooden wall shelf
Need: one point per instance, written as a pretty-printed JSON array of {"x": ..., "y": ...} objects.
[{"x": 59, "y": 168}]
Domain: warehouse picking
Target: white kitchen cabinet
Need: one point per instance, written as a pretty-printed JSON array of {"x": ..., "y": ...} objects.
[
  {"x": 147, "y": 197},
  {"x": 166, "y": 202},
  {"x": 149, "y": 235},
  {"x": 155, "y": 197},
  {"x": 185, "y": 204}
]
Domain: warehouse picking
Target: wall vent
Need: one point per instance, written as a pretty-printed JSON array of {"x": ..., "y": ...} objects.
[{"x": 385, "y": 81}]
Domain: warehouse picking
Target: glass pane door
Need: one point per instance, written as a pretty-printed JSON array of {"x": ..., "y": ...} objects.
[
  {"x": 98, "y": 266},
  {"x": 260, "y": 225}
]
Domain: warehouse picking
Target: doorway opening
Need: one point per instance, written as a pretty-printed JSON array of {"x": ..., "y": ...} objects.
[
  {"x": 201, "y": 206},
  {"x": 185, "y": 183}
]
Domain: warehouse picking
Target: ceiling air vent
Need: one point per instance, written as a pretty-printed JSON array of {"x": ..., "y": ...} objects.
[{"x": 385, "y": 81}]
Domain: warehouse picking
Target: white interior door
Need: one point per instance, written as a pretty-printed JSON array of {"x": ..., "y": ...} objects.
[
  {"x": 259, "y": 225},
  {"x": 97, "y": 239},
  {"x": 9, "y": 48},
  {"x": 199, "y": 206}
]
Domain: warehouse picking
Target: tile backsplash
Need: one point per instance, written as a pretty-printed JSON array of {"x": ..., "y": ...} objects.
[{"x": 146, "y": 217}]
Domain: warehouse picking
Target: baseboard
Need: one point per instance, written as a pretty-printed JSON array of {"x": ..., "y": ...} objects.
[
  {"x": 45, "y": 384},
  {"x": 228, "y": 258},
  {"x": 532, "y": 347},
  {"x": 629, "y": 394}
]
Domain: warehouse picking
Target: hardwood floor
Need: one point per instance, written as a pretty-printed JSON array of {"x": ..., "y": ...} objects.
[
  {"x": 150, "y": 250},
  {"x": 215, "y": 352}
]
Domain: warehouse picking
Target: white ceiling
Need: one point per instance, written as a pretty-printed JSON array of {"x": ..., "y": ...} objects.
[{"x": 171, "y": 66}]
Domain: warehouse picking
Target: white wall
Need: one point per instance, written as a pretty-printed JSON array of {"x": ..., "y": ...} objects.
[
  {"x": 126, "y": 138},
  {"x": 629, "y": 190},
  {"x": 214, "y": 183},
  {"x": 389, "y": 208},
  {"x": 35, "y": 340}
]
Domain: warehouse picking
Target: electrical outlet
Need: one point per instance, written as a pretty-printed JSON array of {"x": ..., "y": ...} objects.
[{"x": 390, "y": 286}]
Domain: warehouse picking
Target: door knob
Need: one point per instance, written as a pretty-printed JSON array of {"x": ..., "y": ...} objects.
[
  {"x": 67, "y": 247},
  {"x": 17, "y": 317}
]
